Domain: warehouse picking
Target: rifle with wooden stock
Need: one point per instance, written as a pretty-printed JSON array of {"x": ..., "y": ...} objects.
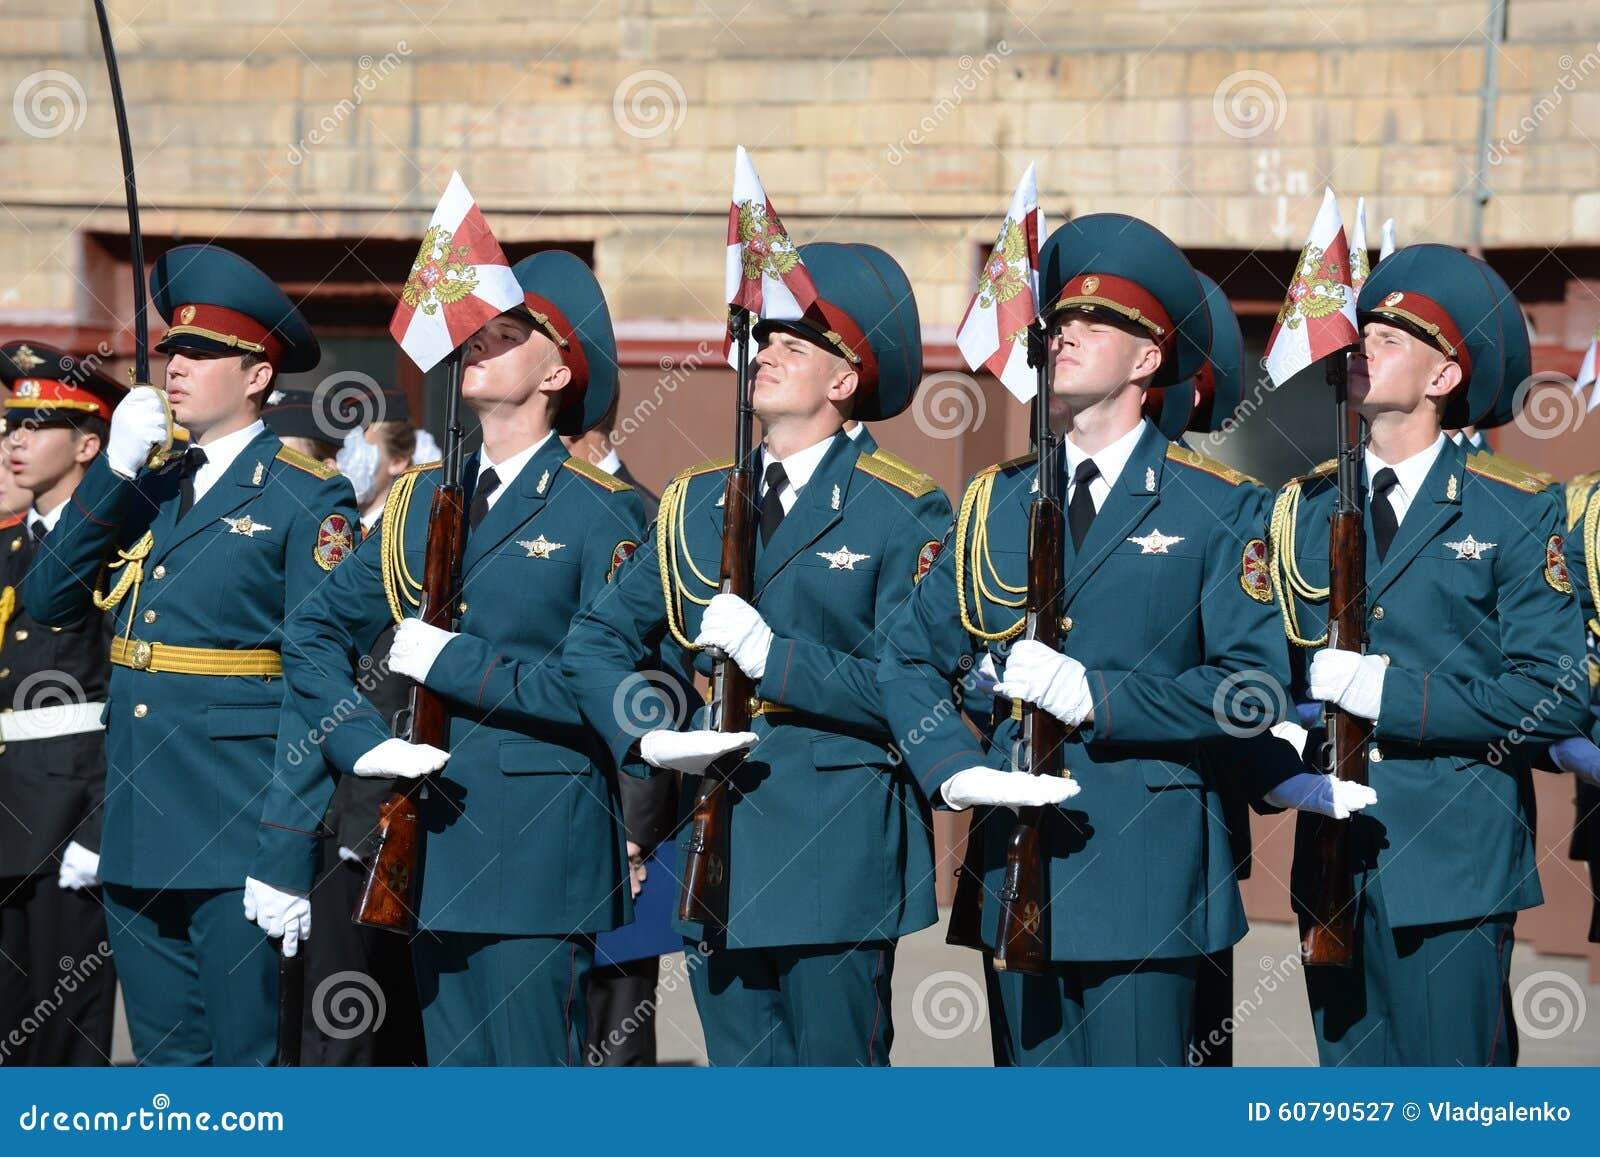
[
  {"x": 704, "y": 895},
  {"x": 1022, "y": 941},
  {"x": 1330, "y": 935},
  {"x": 388, "y": 895}
]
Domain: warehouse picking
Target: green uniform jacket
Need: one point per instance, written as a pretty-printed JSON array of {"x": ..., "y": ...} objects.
[
  {"x": 1170, "y": 612},
  {"x": 1474, "y": 610},
  {"x": 523, "y": 827},
  {"x": 830, "y": 842},
  {"x": 208, "y": 778}
]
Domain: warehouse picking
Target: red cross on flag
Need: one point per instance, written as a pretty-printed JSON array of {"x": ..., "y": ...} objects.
[
  {"x": 459, "y": 281},
  {"x": 764, "y": 273},
  {"x": 1318, "y": 317},
  {"x": 993, "y": 333}
]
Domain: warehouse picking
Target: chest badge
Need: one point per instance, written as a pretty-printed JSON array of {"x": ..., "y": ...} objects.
[
  {"x": 843, "y": 558},
  {"x": 1155, "y": 542},
  {"x": 246, "y": 526},
  {"x": 1470, "y": 547},
  {"x": 540, "y": 547}
]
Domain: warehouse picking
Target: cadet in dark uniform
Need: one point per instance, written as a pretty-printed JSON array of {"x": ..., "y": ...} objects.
[
  {"x": 524, "y": 859},
  {"x": 57, "y": 982},
  {"x": 351, "y": 971},
  {"x": 214, "y": 787},
  {"x": 1167, "y": 614},
  {"x": 830, "y": 861},
  {"x": 1473, "y": 663}
]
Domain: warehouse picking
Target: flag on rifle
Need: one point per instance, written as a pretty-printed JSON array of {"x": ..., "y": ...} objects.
[
  {"x": 1589, "y": 371},
  {"x": 1360, "y": 264},
  {"x": 1319, "y": 314},
  {"x": 993, "y": 333},
  {"x": 1387, "y": 246},
  {"x": 764, "y": 274},
  {"x": 459, "y": 281}
]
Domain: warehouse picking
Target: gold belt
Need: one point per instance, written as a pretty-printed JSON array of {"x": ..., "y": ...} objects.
[
  {"x": 760, "y": 707},
  {"x": 165, "y": 658}
]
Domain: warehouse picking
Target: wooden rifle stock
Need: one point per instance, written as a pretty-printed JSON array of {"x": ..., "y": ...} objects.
[
  {"x": 1022, "y": 941},
  {"x": 704, "y": 895},
  {"x": 1330, "y": 936},
  {"x": 388, "y": 895}
]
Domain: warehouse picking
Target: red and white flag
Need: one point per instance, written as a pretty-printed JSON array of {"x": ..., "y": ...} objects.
[
  {"x": 459, "y": 281},
  {"x": 993, "y": 333},
  {"x": 1360, "y": 263},
  {"x": 764, "y": 273},
  {"x": 1319, "y": 314},
  {"x": 1387, "y": 246}
]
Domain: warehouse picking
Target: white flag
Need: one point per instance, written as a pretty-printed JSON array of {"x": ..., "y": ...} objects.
[
  {"x": 1387, "y": 246},
  {"x": 1319, "y": 314},
  {"x": 764, "y": 272},
  {"x": 1359, "y": 264}
]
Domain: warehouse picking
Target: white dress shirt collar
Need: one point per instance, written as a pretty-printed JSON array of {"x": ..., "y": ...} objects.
[
  {"x": 220, "y": 455},
  {"x": 797, "y": 468},
  {"x": 1111, "y": 461},
  {"x": 508, "y": 470},
  {"x": 1412, "y": 473}
]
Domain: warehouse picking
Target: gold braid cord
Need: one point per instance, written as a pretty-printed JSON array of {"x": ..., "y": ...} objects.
[
  {"x": 1591, "y": 551},
  {"x": 1287, "y": 580},
  {"x": 672, "y": 545},
  {"x": 400, "y": 586},
  {"x": 131, "y": 563},
  {"x": 8, "y": 607},
  {"x": 977, "y": 498}
]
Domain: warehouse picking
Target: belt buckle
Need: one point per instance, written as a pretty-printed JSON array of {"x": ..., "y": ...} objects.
[{"x": 139, "y": 657}]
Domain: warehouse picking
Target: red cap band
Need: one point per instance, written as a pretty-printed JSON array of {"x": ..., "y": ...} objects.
[
  {"x": 226, "y": 326},
  {"x": 1121, "y": 296},
  {"x": 1425, "y": 314}
]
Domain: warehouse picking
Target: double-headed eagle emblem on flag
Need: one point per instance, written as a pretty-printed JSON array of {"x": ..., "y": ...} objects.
[
  {"x": 767, "y": 248},
  {"x": 1318, "y": 290},
  {"x": 441, "y": 274}
]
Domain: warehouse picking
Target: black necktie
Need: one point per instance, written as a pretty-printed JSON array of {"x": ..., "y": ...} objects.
[
  {"x": 1080, "y": 511},
  {"x": 488, "y": 483},
  {"x": 1384, "y": 522},
  {"x": 36, "y": 527},
  {"x": 193, "y": 458},
  {"x": 771, "y": 505}
]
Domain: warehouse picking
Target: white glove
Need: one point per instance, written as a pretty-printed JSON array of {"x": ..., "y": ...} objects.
[
  {"x": 80, "y": 868},
  {"x": 1325, "y": 795},
  {"x": 1039, "y": 674},
  {"x": 691, "y": 752},
  {"x": 1578, "y": 756},
  {"x": 278, "y": 912},
  {"x": 138, "y": 424},
  {"x": 416, "y": 648},
  {"x": 1293, "y": 734},
  {"x": 985, "y": 679},
  {"x": 398, "y": 759},
  {"x": 988, "y": 785},
  {"x": 1353, "y": 681},
  {"x": 737, "y": 630}
]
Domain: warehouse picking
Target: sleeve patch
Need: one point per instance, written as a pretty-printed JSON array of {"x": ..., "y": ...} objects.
[
  {"x": 1253, "y": 574},
  {"x": 621, "y": 554},
  {"x": 1555, "y": 566},
  {"x": 335, "y": 541},
  {"x": 926, "y": 557}
]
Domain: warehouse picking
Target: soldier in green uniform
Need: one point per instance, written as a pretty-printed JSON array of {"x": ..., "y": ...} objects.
[
  {"x": 57, "y": 982},
  {"x": 211, "y": 809},
  {"x": 830, "y": 861},
  {"x": 525, "y": 857},
  {"x": 1167, "y": 620},
  {"x": 1472, "y": 664}
]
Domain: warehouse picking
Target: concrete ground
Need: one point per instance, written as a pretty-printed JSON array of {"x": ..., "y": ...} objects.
[{"x": 941, "y": 1016}]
